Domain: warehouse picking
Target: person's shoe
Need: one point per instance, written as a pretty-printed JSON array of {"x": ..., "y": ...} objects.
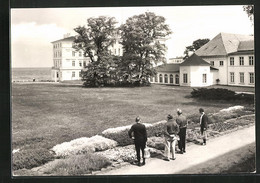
[
  {"x": 138, "y": 164},
  {"x": 143, "y": 163},
  {"x": 184, "y": 151},
  {"x": 166, "y": 159},
  {"x": 173, "y": 158}
]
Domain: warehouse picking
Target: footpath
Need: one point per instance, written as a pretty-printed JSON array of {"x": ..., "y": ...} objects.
[{"x": 219, "y": 154}]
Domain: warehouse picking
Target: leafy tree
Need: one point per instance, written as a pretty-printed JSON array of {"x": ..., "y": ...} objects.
[
  {"x": 249, "y": 9},
  {"x": 95, "y": 40},
  {"x": 141, "y": 36},
  {"x": 195, "y": 46}
]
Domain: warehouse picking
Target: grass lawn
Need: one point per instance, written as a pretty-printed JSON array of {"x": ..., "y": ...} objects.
[{"x": 44, "y": 115}]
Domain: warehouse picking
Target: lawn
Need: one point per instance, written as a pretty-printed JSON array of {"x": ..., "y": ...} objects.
[{"x": 44, "y": 115}]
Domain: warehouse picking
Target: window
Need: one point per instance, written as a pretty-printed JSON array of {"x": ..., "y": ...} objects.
[
  {"x": 251, "y": 78},
  {"x": 185, "y": 78},
  {"x": 166, "y": 78},
  {"x": 232, "y": 62},
  {"x": 241, "y": 60},
  {"x": 73, "y": 63},
  {"x": 204, "y": 78},
  {"x": 151, "y": 79},
  {"x": 84, "y": 63},
  {"x": 241, "y": 75},
  {"x": 80, "y": 63},
  {"x": 118, "y": 51},
  {"x": 171, "y": 78},
  {"x": 160, "y": 76},
  {"x": 73, "y": 74},
  {"x": 156, "y": 78},
  {"x": 176, "y": 79},
  {"x": 73, "y": 53},
  {"x": 251, "y": 60},
  {"x": 80, "y": 54},
  {"x": 232, "y": 77},
  {"x": 212, "y": 63},
  {"x": 221, "y": 63}
]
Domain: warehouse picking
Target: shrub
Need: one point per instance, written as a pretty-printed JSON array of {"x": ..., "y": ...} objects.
[
  {"x": 156, "y": 142},
  {"x": 120, "y": 134},
  {"x": 83, "y": 145},
  {"x": 126, "y": 153},
  {"x": 220, "y": 94},
  {"x": 30, "y": 158},
  {"x": 78, "y": 165}
]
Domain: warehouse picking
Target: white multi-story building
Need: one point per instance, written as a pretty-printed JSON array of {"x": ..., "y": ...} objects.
[
  {"x": 68, "y": 63},
  {"x": 228, "y": 59}
]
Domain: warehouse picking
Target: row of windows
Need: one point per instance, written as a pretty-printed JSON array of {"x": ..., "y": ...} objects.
[
  {"x": 185, "y": 78},
  {"x": 57, "y": 63},
  {"x": 74, "y": 53},
  {"x": 242, "y": 77},
  {"x": 57, "y": 45},
  {"x": 57, "y": 54},
  {"x": 232, "y": 61},
  {"x": 155, "y": 79},
  {"x": 84, "y": 63}
]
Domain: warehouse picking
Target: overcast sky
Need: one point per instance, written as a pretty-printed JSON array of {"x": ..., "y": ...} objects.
[{"x": 33, "y": 30}]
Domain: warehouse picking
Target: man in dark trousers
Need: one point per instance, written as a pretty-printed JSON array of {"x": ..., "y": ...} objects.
[
  {"x": 140, "y": 138},
  {"x": 203, "y": 125},
  {"x": 181, "y": 120}
]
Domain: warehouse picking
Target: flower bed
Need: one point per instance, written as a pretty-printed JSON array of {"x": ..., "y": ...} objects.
[
  {"x": 120, "y": 134},
  {"x": 83, "y": 145}
]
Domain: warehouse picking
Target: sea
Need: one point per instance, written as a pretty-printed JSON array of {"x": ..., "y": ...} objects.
[{"x": 39, "y": 74}]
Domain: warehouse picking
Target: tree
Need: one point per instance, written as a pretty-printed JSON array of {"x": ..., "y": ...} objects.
[
  {"x": 141, "y": 36},
  {"x": 195, "y": 46},
  {"x": 95, "y": 40},
  {"x": 249, "y": 9}
]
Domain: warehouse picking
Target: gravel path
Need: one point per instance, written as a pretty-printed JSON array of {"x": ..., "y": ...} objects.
[{"x": 219, "y": 154}]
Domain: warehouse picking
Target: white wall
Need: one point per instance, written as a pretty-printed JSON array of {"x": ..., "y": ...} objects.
[
  {"x": 222, "y": 70},
  {"x": 237, "y": 69}
]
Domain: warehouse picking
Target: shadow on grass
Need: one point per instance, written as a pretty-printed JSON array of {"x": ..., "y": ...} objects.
[{"x": 241, "y": 160}]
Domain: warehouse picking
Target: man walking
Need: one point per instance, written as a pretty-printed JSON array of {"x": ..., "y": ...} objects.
[
  {"x": 140, "y": 138},
  {"x": 203, "y": 125},
  {"x": 181, "y": 120},
  {"x": 170, "y": 132}
]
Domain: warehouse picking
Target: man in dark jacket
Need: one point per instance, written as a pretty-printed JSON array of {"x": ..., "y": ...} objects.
[
  {"x": 170, "y": 133},
  {"x": 140, "y": 138},
  {"x": 203, "y": 125},
  {"x": 181, "y": 120}
]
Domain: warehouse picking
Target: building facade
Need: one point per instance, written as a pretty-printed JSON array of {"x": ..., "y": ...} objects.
[
  {"x": 68, "y": 63},
  {"x": 228, "y": 59}
]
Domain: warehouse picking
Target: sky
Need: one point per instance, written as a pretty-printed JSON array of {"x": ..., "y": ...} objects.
[{"x": 33, "y": 30}]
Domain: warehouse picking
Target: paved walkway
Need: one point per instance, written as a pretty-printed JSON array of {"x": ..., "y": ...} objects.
[{"x": 219, "y": 153}]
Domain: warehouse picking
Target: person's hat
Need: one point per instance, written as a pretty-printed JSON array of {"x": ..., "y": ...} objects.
[
  {"x": 169, "y": 116},
  {"x": 179, "y": 111}
]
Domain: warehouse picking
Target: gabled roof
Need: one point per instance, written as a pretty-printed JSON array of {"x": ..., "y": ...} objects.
[
  {"x": 168, "y": 68},
  {"x": 71, "y": 38},
  {"x": 223, "y": 44},
  {"x": 194, "y": 60}
]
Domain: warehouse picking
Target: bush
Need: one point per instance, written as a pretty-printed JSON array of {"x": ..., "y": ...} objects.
[
  {"x": 30, "y": 158},
  {"x": 120, "y": 134},
  {"x": 156, "y": 142},
  {"x": 78, "y": 165},
  {"x": 221, "y": 94},
  {"x": 83, "y": 145}
]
